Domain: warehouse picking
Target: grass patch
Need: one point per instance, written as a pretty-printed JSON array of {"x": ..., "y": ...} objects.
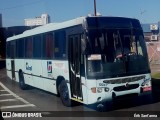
[{"x": 156, "y": 75}]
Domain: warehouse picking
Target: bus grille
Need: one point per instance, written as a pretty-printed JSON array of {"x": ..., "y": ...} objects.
[
  {"x": 124, "y": 88},
  {"x": 124, "y": 80}
]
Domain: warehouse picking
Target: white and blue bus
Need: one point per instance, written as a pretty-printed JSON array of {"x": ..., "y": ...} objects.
[{"x": 88, "y": 59}]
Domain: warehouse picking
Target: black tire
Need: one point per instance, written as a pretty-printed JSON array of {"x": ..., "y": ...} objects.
[
  {"x": 22, "y": 84},
  {"x": 64, "y": 94}
]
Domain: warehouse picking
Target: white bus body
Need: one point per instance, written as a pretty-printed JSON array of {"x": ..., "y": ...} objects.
[{"x": 46, "y": 69}]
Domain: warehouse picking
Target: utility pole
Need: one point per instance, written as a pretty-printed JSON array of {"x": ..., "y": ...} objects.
[{"x": 95, "y": 11}]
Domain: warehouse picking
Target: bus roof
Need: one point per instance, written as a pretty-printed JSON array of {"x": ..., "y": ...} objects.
[
  {"x": 47, "y": 28},
  {"x": 56, "y": 26}
]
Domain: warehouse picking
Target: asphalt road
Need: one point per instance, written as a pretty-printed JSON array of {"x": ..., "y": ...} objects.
[{"x": 13, "y": 99}]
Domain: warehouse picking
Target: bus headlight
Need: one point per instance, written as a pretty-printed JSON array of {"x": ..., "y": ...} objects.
[
  {"x": 93, "y": 90},
  {"x": 106, "y": 89},
  {"x": 96, "y": 90},
  {"x": 146, "y": 82},
  {"x": 99, "y": 90}
]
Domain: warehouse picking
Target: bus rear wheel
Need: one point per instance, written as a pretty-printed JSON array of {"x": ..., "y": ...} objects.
[
  {"x": 64, "y": 94},
  {"x": 22, "y": 84}
]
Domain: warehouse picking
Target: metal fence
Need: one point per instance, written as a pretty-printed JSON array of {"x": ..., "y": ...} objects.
[{"x": 153, "y": 49}]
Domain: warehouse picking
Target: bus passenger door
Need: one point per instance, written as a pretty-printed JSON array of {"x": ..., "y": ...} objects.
[
  {"x": 74, "y": 56},
  {"x": 13, "y": 52}
]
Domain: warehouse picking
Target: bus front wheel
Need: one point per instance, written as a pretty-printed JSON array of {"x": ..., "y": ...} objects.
[
  {"x": 64, "y": 94},
  {"x": 22, "y": 84}
]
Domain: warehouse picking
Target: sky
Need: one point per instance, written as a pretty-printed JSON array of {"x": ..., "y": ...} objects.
[{"x": 15, "y": 11}]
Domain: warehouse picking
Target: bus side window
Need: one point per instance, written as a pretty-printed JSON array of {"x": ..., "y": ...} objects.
[
  {"x": 37, "y": 48},
  {"x": 47, "y": 45},
  {"x": 13, "y": 49},
  {"x": 8, "y": 52},
  {"x": 28, "y": 47},
  {"x": 60, "y": 45},
  {"x": 20, "y": 48}
]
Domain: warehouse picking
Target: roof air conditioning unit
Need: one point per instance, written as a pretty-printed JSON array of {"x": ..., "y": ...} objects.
[
  {"x": 153, "y": 27},
  {"x": 154, "y": 37}
]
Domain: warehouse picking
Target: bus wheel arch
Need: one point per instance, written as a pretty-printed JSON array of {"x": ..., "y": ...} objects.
[{"x": 22, "y": 84}]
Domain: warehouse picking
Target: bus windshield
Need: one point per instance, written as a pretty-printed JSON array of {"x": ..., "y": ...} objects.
[{"x": 116, "y": 52}]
